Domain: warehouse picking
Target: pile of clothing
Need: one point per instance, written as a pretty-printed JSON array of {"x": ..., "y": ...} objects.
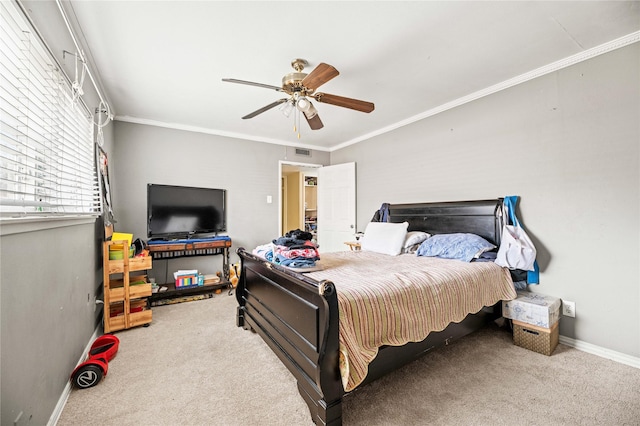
[{"x": 295, "y": 250}]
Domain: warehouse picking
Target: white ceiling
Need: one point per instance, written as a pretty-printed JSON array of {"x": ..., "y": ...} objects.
[{"x": 162, "y": 62}]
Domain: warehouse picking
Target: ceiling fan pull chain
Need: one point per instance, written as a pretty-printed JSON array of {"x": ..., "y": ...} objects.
[
  {"x": 295, "y": 121},
  {"x": 298, "y": 123}
]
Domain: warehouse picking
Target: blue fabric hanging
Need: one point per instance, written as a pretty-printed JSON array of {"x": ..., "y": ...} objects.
[
  {"x": 510, "y": 201},
  {"x": 533, "y": 277},
  {"x": 381, "y": 215}
]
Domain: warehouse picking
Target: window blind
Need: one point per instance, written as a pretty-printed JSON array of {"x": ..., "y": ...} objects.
[{"x": 47, "y": 157}]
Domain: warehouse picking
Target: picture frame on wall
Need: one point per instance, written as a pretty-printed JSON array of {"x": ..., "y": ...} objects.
[{"x": 105, "y": 188}]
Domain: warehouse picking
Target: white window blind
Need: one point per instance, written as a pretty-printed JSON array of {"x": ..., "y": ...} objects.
[{"x": 47, "y": 157}]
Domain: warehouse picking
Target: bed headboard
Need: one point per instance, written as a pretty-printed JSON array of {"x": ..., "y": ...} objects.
[{"x": 480, "y": 217}]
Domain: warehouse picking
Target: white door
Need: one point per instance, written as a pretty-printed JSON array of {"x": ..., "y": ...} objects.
[{"x": 336, "y": 206}]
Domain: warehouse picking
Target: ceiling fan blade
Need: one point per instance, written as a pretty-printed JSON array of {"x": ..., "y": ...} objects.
[
  {"x": 319, "y": 76},
  {"x": 265, "y": 108},
  {"x": 314, "y": 122},
  {"x": 341, "y": 101},
  {"x": 251, "y": 83}
]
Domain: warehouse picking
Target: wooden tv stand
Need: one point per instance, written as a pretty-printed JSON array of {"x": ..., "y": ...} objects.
[{"x": 188, "y": 248}]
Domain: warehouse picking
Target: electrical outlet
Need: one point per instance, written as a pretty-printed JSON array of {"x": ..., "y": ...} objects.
[{"x": 568, "y": 308}]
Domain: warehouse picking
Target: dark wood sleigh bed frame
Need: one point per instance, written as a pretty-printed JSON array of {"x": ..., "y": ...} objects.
[{"x": 297, "y": 316}]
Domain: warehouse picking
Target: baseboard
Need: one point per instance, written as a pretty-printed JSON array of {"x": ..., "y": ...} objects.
[
  {"x": 57, "y": 411},
  {"x": 601, "y": 352}
]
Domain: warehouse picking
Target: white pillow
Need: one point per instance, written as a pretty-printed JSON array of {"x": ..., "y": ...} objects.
[{"x": 384, "y": 237}]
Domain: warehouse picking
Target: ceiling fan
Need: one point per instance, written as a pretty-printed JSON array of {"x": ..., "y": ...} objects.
[{"x": 300, "y": 87}]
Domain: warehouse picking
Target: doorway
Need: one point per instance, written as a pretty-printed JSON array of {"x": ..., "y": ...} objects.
[
  {"x": 298, "y": 197},
  {"x": 319, "y": 199}
]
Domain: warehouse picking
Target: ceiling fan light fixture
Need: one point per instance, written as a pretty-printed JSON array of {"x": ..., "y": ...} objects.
[
  {"x": 286, "y": 108},
  {"x": 303, "y": 104}
]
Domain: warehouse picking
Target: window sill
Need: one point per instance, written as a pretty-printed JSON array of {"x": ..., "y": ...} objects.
[{"x": 10, "y": 226}]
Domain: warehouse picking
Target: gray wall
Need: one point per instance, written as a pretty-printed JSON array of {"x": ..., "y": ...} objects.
[
  {"x": 247, "y": 170},
  {"x": 49, "y": 279},
  {"x": 568, "y": 144},
  {"x": 48, "y": 283}
]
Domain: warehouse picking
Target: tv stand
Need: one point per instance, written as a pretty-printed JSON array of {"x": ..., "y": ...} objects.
[{"x": 164, "y": 250}]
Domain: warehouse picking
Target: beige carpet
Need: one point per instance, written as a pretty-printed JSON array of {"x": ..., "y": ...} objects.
[{"x": 193, "y": 366}]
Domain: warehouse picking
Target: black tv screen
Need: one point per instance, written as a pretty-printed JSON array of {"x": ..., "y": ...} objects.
[{"x": 182, "y": 211}]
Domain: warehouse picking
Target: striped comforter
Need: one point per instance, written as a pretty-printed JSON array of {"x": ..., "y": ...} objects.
[{"x": 393, "y": 300}]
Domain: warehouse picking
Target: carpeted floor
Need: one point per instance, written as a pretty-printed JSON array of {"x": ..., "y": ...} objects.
[{"x": 193, "y": 366}]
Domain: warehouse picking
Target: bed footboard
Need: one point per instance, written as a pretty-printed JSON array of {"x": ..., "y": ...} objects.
[{"x": 298, "y": 318}]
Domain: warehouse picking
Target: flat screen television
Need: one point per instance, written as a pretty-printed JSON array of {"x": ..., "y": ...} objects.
[{"x": 184, "y": 212}]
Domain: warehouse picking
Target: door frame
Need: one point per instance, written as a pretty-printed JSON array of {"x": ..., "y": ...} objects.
[{"x": 282, "y": 163}]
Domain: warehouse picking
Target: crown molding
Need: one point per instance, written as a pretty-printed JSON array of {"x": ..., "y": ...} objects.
[
  {"x": 522, "y": 78},
  {"x": 196, "y": 129}
]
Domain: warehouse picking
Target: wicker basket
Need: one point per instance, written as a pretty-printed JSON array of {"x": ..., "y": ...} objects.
[{"x": 537, "y": 339}]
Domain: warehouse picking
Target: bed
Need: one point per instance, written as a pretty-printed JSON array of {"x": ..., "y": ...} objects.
[{"x": 303, "y": 317}]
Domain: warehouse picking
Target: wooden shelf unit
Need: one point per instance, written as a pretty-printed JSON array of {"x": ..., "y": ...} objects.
[
  {"x": 119, "y": 295},
  {"x": 311, "y": 205}
]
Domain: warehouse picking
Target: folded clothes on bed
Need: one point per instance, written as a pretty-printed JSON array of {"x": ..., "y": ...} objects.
[
  {"x": 294, "y": 239},
  {"x": 265, "y": 251},
  {"x": 296, "y": 263},
  {"x": 290, "y": 252},
  {"x": 306, "y": 251},
  {"x": 289, "y": 242}
]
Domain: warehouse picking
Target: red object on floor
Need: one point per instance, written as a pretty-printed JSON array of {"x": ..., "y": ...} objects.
[{"x": 91, "y": 372}]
